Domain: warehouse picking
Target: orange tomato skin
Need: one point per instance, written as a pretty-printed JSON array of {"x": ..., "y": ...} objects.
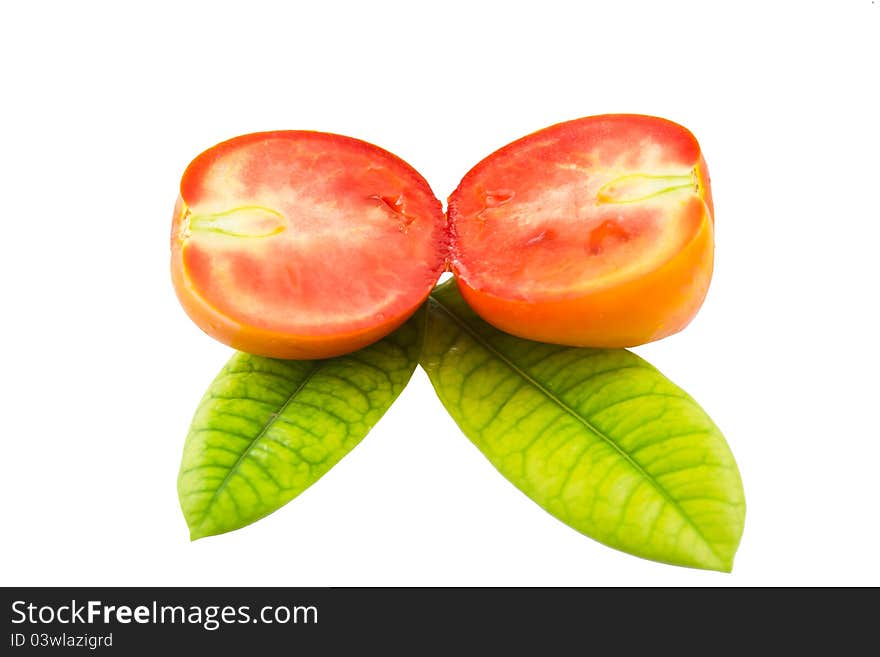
[
  {"x": 657, "y": 302},
  {"x": 261, "y": 342},
  {"x": 641, "y": 310}
]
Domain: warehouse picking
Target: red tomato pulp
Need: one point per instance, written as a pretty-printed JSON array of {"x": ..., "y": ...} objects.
[{"x": 594, "y": 232}]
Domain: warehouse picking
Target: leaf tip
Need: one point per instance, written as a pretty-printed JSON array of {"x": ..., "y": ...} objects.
[
  {"x": 198, "y": 530},
  {"x": 723, "y": 567},
  {"x": 720, "y": 564},
  {"x": 726, "y": 566}
]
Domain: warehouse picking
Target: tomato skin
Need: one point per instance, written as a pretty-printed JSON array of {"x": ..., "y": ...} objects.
[
  {"x": 657, "y": 300},
  {"x": 262, "y": 342},
  {"x": 628, "y": 315},
  {"x": 628, "y": 258},
  {"x": 366, "y": 230}
]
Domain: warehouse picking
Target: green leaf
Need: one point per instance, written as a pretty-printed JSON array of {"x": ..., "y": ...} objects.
[
  {"x": 597, "y": 437},
  {"x": 268, "y": 429}
]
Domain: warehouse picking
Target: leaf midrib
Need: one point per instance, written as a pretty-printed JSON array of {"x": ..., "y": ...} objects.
[
  {"x": 586, "y": 423},
  {"x": 270, "y": 422}
]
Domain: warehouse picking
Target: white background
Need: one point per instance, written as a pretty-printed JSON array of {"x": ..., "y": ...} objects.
[{"x": 103, "y": 106}]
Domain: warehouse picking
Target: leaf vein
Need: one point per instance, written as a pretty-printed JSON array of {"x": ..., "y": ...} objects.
[
  {"x": 269, "y": 423},
  {"x": 587, "y": 424}
]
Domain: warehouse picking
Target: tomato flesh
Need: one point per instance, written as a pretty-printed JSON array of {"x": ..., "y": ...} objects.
[
  {"x": 595, "y": 232},
  {"x": 300, "y": 244},
  {"x": 560, "y": 235}
]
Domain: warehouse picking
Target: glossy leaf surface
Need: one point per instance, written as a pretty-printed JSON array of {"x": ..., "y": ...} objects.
[
  {"x": 267, "y": 429},
  {"x": 597, "y": 437}
]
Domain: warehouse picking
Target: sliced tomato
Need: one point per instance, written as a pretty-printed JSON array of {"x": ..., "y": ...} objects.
[
  {"x": 594, "y": 232},
  {"x": 298, "y": 244}
]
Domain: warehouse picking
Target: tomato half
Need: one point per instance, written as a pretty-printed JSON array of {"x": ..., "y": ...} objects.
[
  {"x": 298, "y": 244},
  {"x": 594, "y": 232}
]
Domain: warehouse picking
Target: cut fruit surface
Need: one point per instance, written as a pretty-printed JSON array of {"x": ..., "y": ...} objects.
[
  {"x": 297, "y": 244},
  {"x": 594, "y": 232}
]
